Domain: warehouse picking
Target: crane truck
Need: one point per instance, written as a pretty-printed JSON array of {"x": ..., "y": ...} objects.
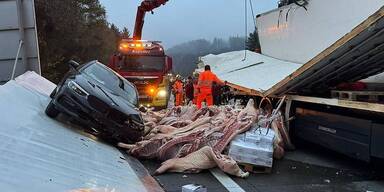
[{"x": 144, "y": 63}]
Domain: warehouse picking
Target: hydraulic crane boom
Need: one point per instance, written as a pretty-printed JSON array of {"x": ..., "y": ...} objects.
[
  {"x": 144, "y": 63},
  {"x": 146, "y": 6}
]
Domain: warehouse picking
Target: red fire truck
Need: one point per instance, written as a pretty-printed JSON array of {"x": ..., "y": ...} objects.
[{"x": 144, "y": 63}]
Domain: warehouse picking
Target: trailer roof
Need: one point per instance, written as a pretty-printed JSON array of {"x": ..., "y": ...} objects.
[
  {"x": 357, "y": 55},
  {"x": 253, "y": 73}
]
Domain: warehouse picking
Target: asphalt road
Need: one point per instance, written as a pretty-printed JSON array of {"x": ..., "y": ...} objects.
[{"x": 309, "y": 168}]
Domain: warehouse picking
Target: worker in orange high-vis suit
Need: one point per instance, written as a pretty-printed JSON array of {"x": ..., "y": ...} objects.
[
  {"x": 178, "y": 91},
  {"x": 204, "y": 85}
]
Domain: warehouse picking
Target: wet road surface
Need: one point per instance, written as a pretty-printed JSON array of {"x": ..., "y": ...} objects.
[{"x": 309, "y": 168}]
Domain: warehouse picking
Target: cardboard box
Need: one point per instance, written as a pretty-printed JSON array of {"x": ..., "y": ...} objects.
[{"x": 254, "y": 147}]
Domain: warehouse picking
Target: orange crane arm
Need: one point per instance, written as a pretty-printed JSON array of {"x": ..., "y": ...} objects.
[{"x": 146, "y": 6}]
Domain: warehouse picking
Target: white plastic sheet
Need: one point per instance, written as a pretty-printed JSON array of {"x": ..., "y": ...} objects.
[
  {"x": 257, "y": 71},
  {"x": 41, "y": 154},
  {"x": 35, "y": 82}
]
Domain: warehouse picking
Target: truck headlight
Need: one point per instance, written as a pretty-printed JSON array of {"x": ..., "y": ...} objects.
[
  {"x": 77, "y": 88},
  {"x": 162, "y": 93}
]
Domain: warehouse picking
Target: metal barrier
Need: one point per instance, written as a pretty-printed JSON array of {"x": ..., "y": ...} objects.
[{"x": 18, "y": 34}]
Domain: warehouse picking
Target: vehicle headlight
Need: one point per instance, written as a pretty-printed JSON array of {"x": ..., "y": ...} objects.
[
  {"x": 77, "y": 88},
  {"x": 162, "y": 93}
]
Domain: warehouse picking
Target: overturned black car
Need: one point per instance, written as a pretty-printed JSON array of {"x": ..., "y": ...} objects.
[{"x": 100, "y": 99}]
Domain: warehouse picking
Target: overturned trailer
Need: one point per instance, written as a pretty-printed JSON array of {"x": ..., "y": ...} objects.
[
  {"x": 42, "y": 154},
  {"x": 345, "y": 49}
]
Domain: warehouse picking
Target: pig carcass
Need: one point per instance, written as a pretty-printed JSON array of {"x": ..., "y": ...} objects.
[{"x": 204, "y": 158}]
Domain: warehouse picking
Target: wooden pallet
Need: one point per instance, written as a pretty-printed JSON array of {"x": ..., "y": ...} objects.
[
  {"x": 368, "y": 96},
  {"x": 254, "y": 168}
]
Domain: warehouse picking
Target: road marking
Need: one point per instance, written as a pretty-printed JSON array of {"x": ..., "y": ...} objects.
[{"x": 226, "y": 181}]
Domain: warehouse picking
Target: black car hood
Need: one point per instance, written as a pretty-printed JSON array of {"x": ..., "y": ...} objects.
[{"x": 100, "y": 91}]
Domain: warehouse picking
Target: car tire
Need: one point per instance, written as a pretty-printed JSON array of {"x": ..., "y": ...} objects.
[
  {"x": 51, "y": 110},
  {"x": 52, "y": 95}
]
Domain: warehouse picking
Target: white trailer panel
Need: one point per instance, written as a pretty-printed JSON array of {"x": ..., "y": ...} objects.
[
  {"x": 17, "y": 22},
  {"x": 297, "y": 35}
]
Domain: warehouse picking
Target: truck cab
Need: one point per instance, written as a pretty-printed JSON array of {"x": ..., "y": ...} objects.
[{"x": 145, "y": 64}]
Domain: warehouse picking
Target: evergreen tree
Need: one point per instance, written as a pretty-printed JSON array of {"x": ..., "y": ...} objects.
[
  {"x": 116, "y": 33},
  {"x": 73, "y": 29},
  {"x": 218, "y": 46},
  {"x": 115, "y": 30},
  {"x": 125, "y": 34},
  {"x": 253, "y": 43},
  {"x": 236, "y": 43},
  {"x": 185, "y": 55}
]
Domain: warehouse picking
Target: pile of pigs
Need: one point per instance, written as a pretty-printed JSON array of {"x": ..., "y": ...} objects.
[{"x": 187, "y": 139}]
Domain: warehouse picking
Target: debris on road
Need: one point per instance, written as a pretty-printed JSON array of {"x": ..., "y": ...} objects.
[
  {"x": 253, "y": 147},
  {"x": 194, "y": 188},
  {"x": 190, "y": 140},
  {"x": 327, "y": 181}
]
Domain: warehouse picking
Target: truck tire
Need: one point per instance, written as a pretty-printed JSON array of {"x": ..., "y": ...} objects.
[{"x": 51, "y": 111}]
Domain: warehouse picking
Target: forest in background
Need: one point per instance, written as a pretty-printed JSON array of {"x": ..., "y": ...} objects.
[
  {"x": 79, "y": 30},
  {"x": 186, "y": 55},
  {"x": 73, "y": 29}
]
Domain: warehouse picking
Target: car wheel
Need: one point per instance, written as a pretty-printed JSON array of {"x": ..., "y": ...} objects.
[
  {"x": 51, "y": 111},
  {"x": 52, "y": 95}
]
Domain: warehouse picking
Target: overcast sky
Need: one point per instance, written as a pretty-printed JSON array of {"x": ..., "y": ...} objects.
[{"x": 183, "y": 20}]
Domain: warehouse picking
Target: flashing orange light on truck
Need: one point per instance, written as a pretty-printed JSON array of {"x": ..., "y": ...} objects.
[
  {"x": 124, "y": 46},
  {"x": 145, "y": 64},
  {"x": 151, "y": 90},
  {"x": 130, "y": 45}
]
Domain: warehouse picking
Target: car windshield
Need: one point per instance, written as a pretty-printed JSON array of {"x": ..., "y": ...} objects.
[
  {"x": 142, "y": 63},
  {"x": 128, "y": 91},
  {"x": 109, "y": 79}
]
